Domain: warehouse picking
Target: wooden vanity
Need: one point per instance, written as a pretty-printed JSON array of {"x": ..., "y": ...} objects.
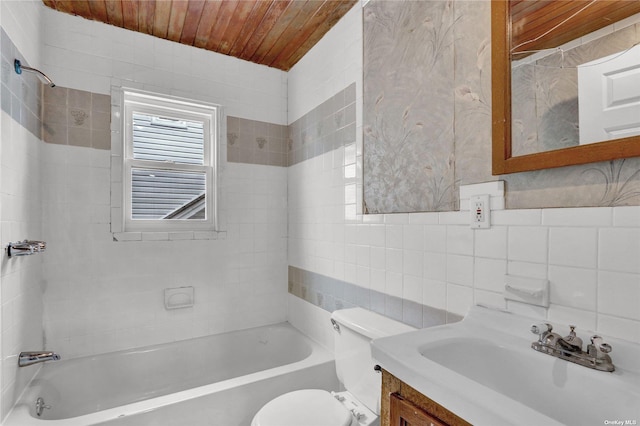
[{"x": 402, "y": 405}]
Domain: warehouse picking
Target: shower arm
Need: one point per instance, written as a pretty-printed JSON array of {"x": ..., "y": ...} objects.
[{"x": 17, "y": 65}]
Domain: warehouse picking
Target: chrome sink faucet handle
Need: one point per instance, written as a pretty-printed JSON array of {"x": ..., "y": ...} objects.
[
  {"x": 546, "y": 337},
  {"x": 600, "y": 346},
  {"x": 542, "y": 330}
]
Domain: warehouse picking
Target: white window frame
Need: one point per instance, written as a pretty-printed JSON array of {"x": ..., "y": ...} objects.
[{"x": 180, "y": 108}]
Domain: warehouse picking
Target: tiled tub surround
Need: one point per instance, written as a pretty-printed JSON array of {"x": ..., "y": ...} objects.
[
  {"x": 76, "y": 117},
  {"x": 21, "y": 94},
  {"x": 108, "y": 295},
  {"x": 330, "y": 125},
  {"x": 331, "y": 294},
  {"x": 103, "y": 295},
  {"x": 256, "y": 142},
  {"x": 21, "y": 278}
]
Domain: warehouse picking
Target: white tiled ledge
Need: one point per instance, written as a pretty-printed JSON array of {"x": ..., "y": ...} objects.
[
  {"x": 169, "y": 236},
  {"x": 627, "y": 216}
]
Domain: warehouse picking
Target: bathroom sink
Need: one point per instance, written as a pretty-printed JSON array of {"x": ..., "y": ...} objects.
[{"x": 484, "y": 370}]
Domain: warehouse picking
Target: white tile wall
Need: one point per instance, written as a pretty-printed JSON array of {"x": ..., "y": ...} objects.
[
  {"x": 103, "y": 295},
  {"x": 21, "y": 277},
  {"x": 20, "y": 207},
  {"x": 590, "y": 255},
  {"x": 592, "y": 268},
  {"x": 23, "y": 21}
]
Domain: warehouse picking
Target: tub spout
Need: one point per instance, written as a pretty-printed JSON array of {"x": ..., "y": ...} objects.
[{"x": 29, "y": 358}]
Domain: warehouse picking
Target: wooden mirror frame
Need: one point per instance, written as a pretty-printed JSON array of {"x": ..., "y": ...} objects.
[{"x": 503, "y": 161}]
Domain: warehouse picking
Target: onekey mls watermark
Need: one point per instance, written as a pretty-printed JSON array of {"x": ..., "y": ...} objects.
[{"x": 621, "y": 422}]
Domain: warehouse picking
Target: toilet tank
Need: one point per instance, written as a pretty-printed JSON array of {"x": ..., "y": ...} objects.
[{"x": 354, "y": 364}]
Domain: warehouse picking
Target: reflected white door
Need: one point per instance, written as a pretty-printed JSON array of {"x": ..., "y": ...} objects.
[{"x": 609, "y": 97}]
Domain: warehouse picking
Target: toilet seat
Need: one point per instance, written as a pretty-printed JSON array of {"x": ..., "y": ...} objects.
[{"x": 308, "y": 407}]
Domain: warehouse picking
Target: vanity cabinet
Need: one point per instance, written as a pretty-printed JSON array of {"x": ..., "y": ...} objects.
[
  {"x": 404, "y": 413},
  {"x": 402, "y": 405}
]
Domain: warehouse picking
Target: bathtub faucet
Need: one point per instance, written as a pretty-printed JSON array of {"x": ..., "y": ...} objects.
[{"x": 29, "y": 358}]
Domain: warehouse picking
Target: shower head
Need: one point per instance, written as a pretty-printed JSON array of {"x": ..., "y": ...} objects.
[{"x": 19, "y": 68}]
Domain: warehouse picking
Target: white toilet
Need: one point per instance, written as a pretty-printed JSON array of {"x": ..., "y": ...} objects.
[{"x": 359, "y": 405}]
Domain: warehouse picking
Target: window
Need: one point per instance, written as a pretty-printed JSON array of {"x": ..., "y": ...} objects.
[{"x": 169, "y": 160}]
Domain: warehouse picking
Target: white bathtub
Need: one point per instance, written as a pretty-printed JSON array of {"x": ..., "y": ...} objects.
[{"x": 222, "y": 379}]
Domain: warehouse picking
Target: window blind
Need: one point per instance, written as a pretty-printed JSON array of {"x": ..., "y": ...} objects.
[
  {"x": 164, "y": 139},
  {"x": 156, "y": 194}
]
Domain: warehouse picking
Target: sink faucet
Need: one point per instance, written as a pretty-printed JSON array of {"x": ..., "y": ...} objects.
[
  {"x": 570, "y": 347},
  {"x": 571, "y": 343},
  {"x": 34, "y": 357}
]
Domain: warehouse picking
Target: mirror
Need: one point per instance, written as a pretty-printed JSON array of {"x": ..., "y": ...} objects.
[{"x": 538, "y": 50}]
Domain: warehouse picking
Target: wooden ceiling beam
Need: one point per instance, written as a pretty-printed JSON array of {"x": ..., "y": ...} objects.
[
  {"x": 114, "y": 12},
  {"x": 81, "y": 8},
  {"x": 176, "y": 19},
  {"x": 161, "y": 18},
  {"x": 269, "y": 20},
  {"x": 276, "y": 33},
  {"x": 65, "y": 6},
  {"x": 130, "y": 12},
  {"x": 294, "y": 34},
  {"x": 235, "y": 27},
  {"x": 274, "y": 36},
  {"x": 225, "y": 14},
  {"x": 206, "y": 24},
  {"x": 191, "y": 22},
  {"x": 250, "y": 26},
  {"x": 538, "y": 25},
  {"x": 99, "y": 10},
  {"x": 146, "y": 11}
]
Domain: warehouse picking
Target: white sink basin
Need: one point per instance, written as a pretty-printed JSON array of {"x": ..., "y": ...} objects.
[{"x": 484, "y": 370}]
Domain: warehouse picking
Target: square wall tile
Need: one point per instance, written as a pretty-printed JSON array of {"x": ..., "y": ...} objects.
[
  {"x": 528, "y": 244},
  {"x": 619, "y": 294},
  {"x": 435, "y": 238},
  {"x": 491, "y": 243},
  {"x": 435, "y": 266},
  {"x": 460, "y": 270},
  {"x": 460, "y": 240},
  {"x": 573, "y": 247},
  {"x": 489, "y": 274},
  {"x": 573, "y": 287},
  {"x": 459, "y": 299},
  {"x": 619, "y": 249},
  {"x": 565, "y": 316}
]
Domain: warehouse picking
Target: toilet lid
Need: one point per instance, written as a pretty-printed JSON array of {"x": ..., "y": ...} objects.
[{"x": 309, "y": 407}]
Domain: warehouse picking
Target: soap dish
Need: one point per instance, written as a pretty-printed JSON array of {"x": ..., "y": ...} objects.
[{"x": 179, "y": 297}]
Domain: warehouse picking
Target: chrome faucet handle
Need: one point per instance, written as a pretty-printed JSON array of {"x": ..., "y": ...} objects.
[
  {"x": 600, "y": 344},
  {"x": 541, "y": 328}
]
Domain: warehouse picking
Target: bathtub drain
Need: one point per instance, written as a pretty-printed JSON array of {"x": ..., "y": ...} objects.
[{"x": 40, "y": 406}]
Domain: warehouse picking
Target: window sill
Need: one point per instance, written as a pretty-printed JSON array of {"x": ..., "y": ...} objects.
[{"x": 169, "y": 236}]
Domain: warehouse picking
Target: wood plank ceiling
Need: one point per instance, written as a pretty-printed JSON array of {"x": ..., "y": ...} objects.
[
  {"x": 534, "y": 22},
  {"x": 276, "y": 33}
]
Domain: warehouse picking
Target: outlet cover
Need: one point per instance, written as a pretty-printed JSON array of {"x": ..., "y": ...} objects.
[{"x": 480, "y": 211}]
